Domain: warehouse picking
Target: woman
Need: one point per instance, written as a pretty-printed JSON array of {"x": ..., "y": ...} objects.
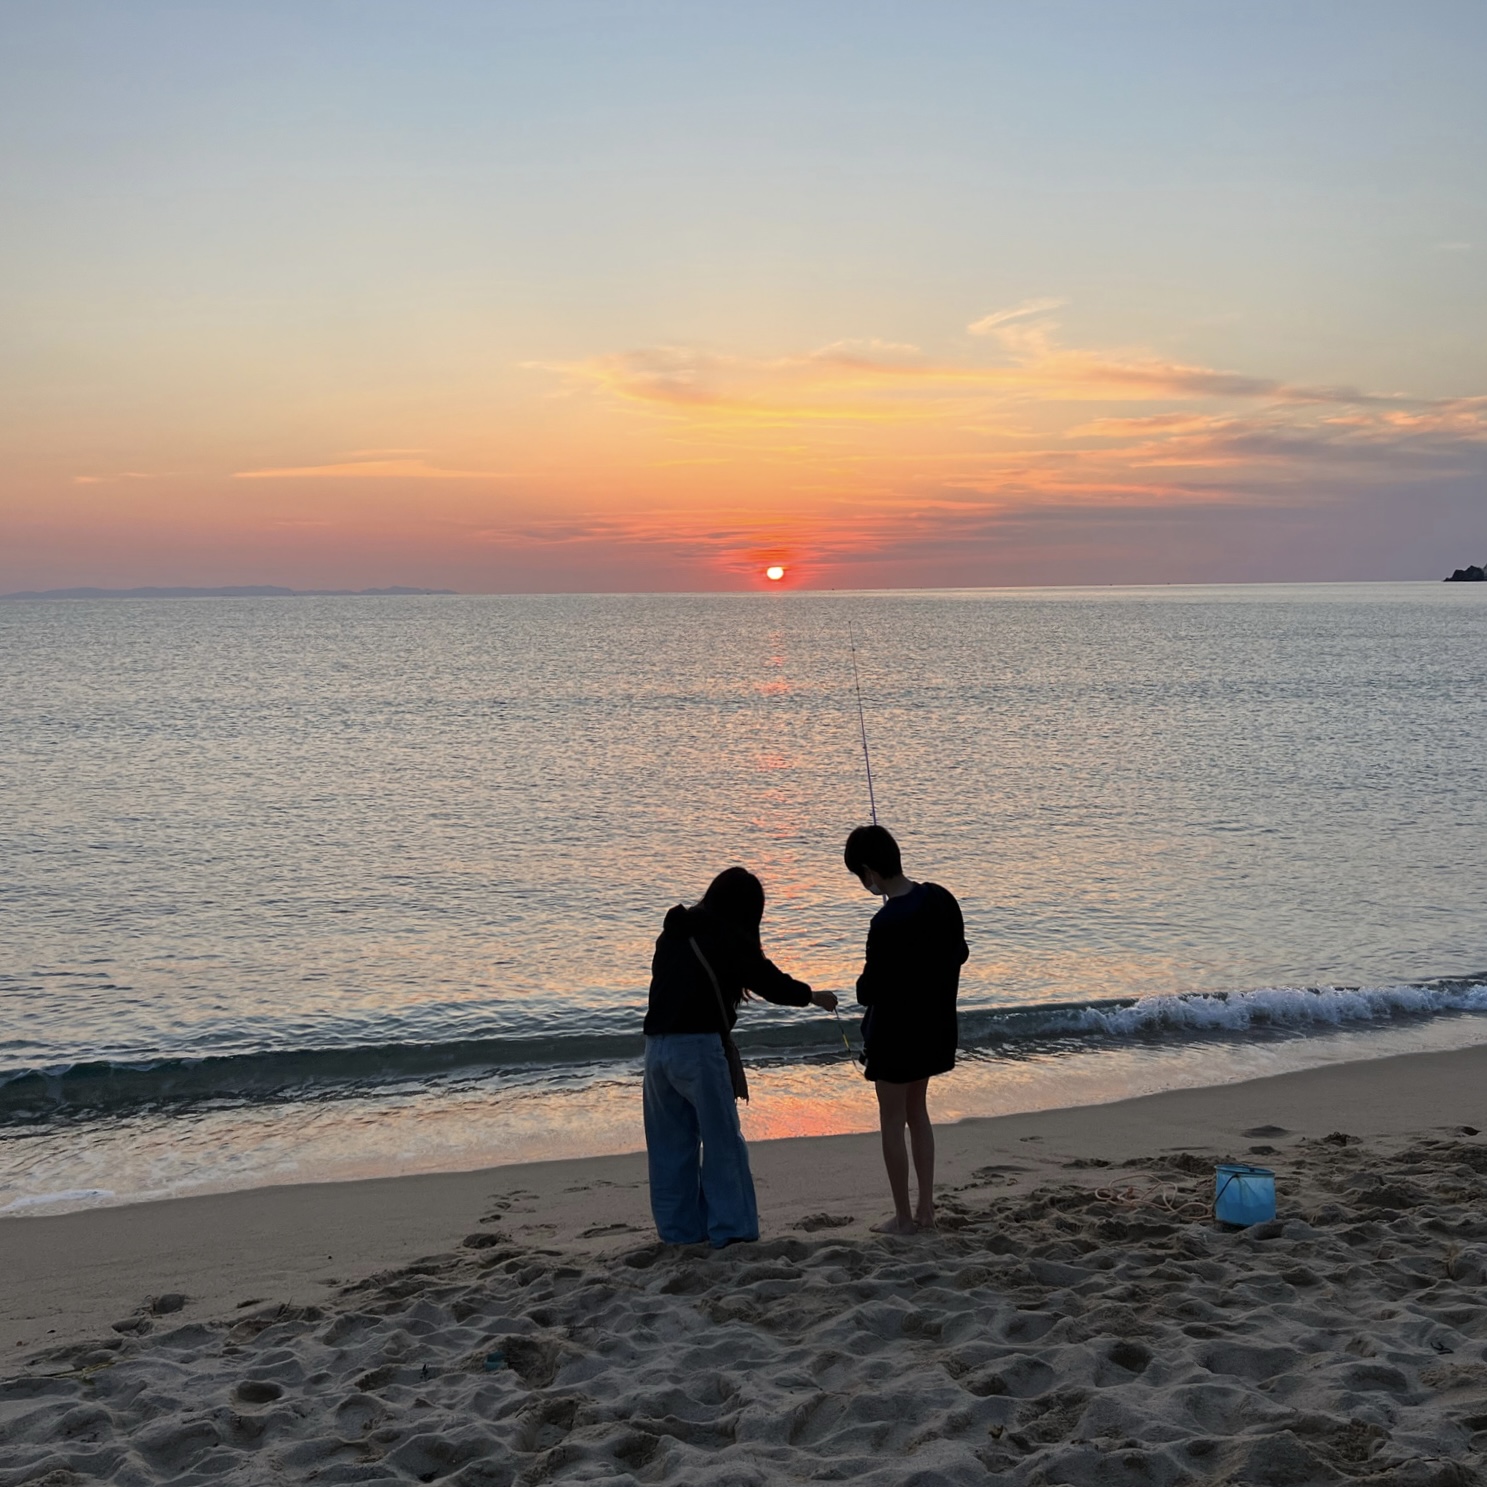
[{"x": 707, "y": 959}]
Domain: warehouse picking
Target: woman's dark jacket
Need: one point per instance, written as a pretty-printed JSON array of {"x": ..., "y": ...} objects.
[
  {"x": 916, "y": 946},
  {"x": 682, "y": 996}
]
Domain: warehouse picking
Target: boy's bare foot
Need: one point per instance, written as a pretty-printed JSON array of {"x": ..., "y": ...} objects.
[
  {"x": 896, "y": 1225},
  {"x": 925, "y": 1220}
]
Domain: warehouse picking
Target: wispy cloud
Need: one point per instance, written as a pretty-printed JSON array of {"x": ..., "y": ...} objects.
[
  {"x": 371, "y": 469},
  {"x": 868, "y": 353},
  {"x": 1451, "y": 433},
  {"x": 874, "y": 381},
  {"x": 113, "y": 479},
  {"x": 989, "y": 324},
  {"x": 933, "y": 518}
]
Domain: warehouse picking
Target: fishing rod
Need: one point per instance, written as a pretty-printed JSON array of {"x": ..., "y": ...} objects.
[
  {"x": 867, "y": 764},
  {"x": 867, "y": 760}
]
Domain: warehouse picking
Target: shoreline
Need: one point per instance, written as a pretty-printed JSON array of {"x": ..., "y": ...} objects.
[
  {"x": 73, "y": 1274},
  {"x": 1076, "y": 1317},
  {"x": 168, "y": 1155}
]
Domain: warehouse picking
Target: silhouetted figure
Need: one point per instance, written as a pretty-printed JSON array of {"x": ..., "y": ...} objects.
[
  {"x": 915, "y": 949},
  {"x": 707, "y": 958}
]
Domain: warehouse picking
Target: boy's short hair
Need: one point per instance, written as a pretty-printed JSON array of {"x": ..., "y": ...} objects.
[{"x": 874, "y": 847}]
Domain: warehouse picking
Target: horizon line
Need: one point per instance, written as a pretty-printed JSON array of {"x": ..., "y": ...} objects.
[{"x": 276, "y": 591}]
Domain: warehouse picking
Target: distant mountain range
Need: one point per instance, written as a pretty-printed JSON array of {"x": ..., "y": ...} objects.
[
  {"x": 241, "y": 591},
  {"x": 1472, "y": 574}
]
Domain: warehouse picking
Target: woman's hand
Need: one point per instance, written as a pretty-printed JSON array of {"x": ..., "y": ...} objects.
[{"x": 825, "y": 1000}]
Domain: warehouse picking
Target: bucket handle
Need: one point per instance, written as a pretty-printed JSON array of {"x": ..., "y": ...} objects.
[{"x": 1241, "y": 1169}]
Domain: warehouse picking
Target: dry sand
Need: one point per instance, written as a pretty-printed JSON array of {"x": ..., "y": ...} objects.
[{"x": 1051, "y": 1332}]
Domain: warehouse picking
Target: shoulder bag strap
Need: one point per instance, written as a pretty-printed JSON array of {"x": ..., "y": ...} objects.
[{"x": 717, "y": 990}]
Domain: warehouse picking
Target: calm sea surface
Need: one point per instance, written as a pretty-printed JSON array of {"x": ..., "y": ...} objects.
[{"x": 303, "y": 888}]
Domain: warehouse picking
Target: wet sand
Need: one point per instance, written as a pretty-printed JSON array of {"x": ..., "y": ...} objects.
[{"x": 1077, "y": 1317}]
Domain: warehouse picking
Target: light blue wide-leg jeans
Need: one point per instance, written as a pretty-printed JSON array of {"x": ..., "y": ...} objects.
[{"x": 701, "y": 1186}]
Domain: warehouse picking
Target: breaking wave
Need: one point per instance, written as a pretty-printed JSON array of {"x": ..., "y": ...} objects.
[{"x": 118, "y": 1086}]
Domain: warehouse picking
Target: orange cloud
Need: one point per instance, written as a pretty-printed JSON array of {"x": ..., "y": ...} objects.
[
  {"x": 856, "y": 445},
  {"x": 865, "y": 450},
  {"x": 873, "y": 381},
  {"x": 371, "y": 469}
]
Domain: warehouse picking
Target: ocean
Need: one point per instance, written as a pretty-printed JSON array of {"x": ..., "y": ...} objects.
[{"x": 302, "y": 889}]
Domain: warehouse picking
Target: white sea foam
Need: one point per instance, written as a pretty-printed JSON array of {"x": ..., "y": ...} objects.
[
  {"x": 68, "y": 1195},
  {"x": 1277, "y": 1006}
]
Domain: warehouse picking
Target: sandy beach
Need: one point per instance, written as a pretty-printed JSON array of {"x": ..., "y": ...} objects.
[{"x": 1076, "y": 1319}]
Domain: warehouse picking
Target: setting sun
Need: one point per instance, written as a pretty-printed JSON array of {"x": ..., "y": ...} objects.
[{"x": 775, "y": 573}]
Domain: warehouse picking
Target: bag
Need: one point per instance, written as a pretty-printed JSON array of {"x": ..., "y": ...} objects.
[{"x": 736, "y": 1075}]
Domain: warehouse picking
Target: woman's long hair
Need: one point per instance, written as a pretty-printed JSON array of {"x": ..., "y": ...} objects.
[{"x": 736, "y": 897}]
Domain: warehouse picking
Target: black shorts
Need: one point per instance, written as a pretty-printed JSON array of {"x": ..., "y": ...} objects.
[{"x": 907, "y": 1070}]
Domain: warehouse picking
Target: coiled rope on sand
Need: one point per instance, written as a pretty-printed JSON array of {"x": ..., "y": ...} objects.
[{"x": 1159, "y": 1195}]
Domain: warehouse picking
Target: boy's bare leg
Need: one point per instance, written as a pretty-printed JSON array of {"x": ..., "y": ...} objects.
[
  {"x": 892, "y": 1118},
  {"x": 922, "y": 1141}
]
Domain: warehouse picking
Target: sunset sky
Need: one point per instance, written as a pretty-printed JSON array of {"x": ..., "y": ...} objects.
[{"x": 646, "y": 296}]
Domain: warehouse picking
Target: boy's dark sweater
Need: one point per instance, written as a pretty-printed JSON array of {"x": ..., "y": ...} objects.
[
  {"x": 682, "y": 999},
  {"x": 915, "y": 949}
]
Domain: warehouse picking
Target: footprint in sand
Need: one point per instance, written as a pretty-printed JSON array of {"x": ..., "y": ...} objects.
[
  {"x": 601, "y": 1229},
  {"x": 489, "y": 1240},
  {"x": 258, "y": 1391},
  {"x": 1262, "y": 1131},
  {"x": 998, "y": 1175},
  {"x": 517, "y": 1198},
  {"x": 814, "y": 1221}
]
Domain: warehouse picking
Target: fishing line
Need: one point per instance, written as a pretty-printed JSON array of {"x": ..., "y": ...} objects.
[{"x": 841, "y": 1027}]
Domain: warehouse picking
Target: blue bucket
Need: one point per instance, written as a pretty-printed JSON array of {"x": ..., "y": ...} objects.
[{"x": 1242, "y": 1194}]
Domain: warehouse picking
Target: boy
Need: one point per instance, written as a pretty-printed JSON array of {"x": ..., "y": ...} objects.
[{"x": 915, "y": 949}]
